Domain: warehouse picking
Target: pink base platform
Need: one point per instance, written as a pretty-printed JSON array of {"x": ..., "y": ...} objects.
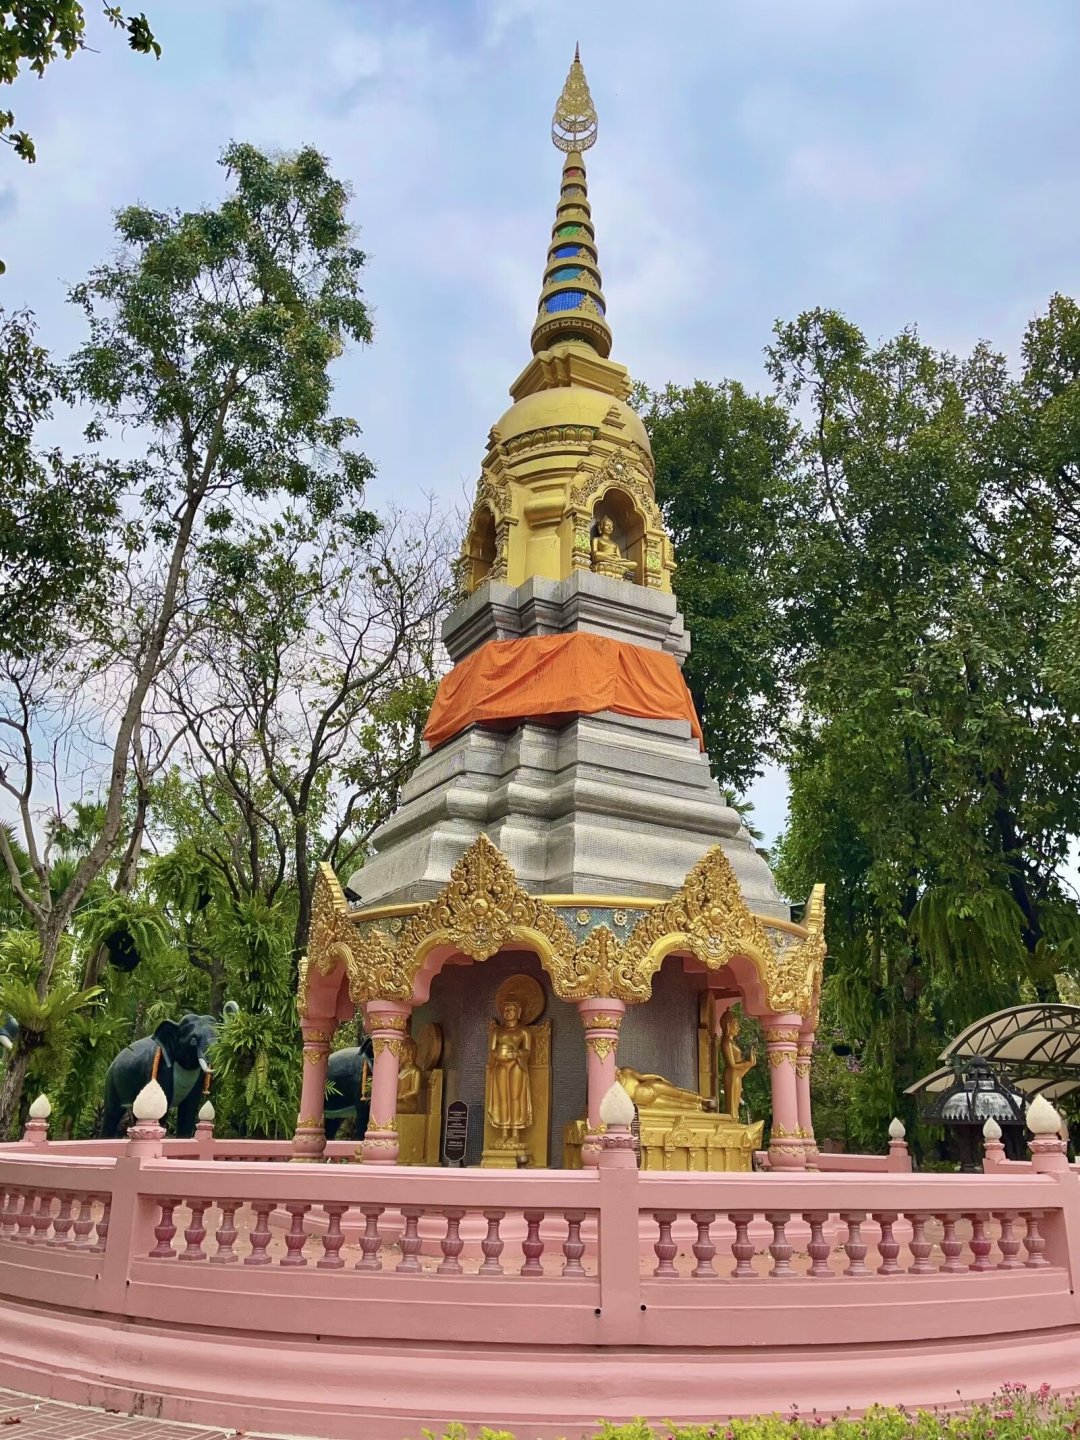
[
  {"x": 539, "y": 1301},
  {"x": 387, "y": 1391}
]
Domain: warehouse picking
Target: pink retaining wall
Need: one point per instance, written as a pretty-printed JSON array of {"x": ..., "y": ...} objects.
[{"x": 157, "y": 1284}]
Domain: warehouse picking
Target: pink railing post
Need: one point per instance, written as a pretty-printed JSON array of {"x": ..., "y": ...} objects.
[
  {"x": 1034, "y": 1241},
  {"x": 225, "y": 1254},
  {"x": 951, "y": 1245},
  {"x": 451, "y": 1244},
  {"x": 704, "y": 1249},
  {"x": 532, "y": 1247},
  {"x": 980, "y": 1241},
  {"x": 779, "y": 1248},
  {"x": 665, "y": 1246},
  {"x": 573, "y": 1246},
  {"x": 1009, "y": 1242},
  {"x": 260, "y": 1235},
  {"x": 819, "y": 1248},
  {"x": 492, "y": 1243},
  {"x": 334, "y": 1238},
  {"x": 195, "y": 1233},
  {"x": 296, "y": 1235},
  {"x": 409, "y": 1264},
  {"x": 62, "y": 1223},
  {"x": 888, "y": 1245},
  {"x": 370, "y": 1240},
  {"x": 42, "y": 1219},
  {"x": 36, "y": 1132},
  {"x": 618, "y": 1244},
  {"x": 84, "y": 1223},
  {"x": 921, "y": 1247},
  {"x": 742, "y": 1246},
  {"x": 855, "y": 1246}
]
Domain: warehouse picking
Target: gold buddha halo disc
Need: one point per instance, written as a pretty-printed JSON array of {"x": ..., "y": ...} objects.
[
  {"x": 527, "y": 992},
  {"x": 429, "y": 1046}
]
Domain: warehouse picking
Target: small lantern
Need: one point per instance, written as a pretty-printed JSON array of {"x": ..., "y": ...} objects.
[{"x": 976, "y": 1096}]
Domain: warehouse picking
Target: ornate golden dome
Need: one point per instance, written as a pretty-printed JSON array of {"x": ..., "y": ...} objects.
[{"x": 570, "y": 455}]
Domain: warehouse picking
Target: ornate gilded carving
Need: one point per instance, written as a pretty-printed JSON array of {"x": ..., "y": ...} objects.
[
  {"x": 483, "y": 907},
  {"x": 601, "y": 1022},
  {"x": 379, "y": 1045},
  {"x": 783, "y": 1036},
  {"x": 379, "y": 1023},
  {"x": 781, "y": 1057},
  {"x": 617, "y": 473},
  {"x": 601, "y": 1045}
]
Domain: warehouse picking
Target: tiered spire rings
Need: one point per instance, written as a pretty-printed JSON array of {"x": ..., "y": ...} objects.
[{"x": 572, "y": 305}]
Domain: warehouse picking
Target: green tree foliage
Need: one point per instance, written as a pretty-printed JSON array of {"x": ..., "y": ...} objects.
[
  {"x": 34, "y": 33},
  {"x": 211, "y": 334},
  {"x": 932, "y": 761},
  {"x": 57, "y": 515},
  {"x": 722, "y": 476}
]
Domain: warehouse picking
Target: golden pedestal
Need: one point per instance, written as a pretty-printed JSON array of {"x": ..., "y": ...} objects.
[
  {"x": 697, "y": 1142},
  {"x": 533, "y": 1147}
]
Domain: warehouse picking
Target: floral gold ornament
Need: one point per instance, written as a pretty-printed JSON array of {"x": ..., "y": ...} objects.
[
  {"x": 601, "y": 1045},
  {"x": 601, "y": 1022},
  {"x": 781, "y": 1037}
]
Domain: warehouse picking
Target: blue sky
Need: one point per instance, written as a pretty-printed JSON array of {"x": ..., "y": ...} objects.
[{"x": 902, "y": 161}]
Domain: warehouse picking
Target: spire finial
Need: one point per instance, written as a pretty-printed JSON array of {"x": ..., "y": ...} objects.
[
  {"x": 573, "y": 126},
  {"x": 572, "y": 305}
]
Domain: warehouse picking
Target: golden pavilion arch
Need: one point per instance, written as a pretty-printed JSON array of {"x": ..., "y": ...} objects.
[{"x": 563, "y": 899}]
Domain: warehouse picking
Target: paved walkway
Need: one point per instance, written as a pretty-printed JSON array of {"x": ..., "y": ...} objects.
[{"x": 49, "y": 1418}]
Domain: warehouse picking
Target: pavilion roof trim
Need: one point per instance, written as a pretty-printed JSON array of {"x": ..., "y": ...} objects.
[{"x": 1036, "y": 1046}]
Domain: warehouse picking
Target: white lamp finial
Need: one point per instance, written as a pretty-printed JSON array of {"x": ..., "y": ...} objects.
[
  {"x": 616, "y": 1108},
  {"x": 206, "y": 1113},
  {"x": 1042, "y": 1118},
  {"x": 40, "y": 1109},
  {"x": 992, "y": 1130},
  {"x": 897, "y": 1129},
  {"x": 150, "y": 1104}
]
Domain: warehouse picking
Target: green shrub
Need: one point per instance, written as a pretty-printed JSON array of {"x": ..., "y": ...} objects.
[{"x": 1014, "y": 1413}]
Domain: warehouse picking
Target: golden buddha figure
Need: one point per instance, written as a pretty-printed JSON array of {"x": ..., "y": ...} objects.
[
  {"x": 509, "y": 1096},
  {"x": 735, "y": 1066},
  {"x": 607, "y": 558},
  {"x": 653, "y": 1092},
  {"x": 410, "y": 1079}
]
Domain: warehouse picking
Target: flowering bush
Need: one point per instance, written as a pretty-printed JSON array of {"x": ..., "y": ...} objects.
[{"x": 1014, "y": 1413}]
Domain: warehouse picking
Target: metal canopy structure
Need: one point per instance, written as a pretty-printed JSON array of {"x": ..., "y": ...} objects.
[{"x": 1036, "y": 1046}]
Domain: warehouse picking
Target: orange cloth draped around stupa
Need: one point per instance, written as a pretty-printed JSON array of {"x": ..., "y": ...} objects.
[{"x": 552, "y": 678}]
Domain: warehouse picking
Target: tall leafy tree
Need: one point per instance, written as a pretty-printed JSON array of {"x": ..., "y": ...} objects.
[
  {"x": 722, "y": 474},
  {"x": 931, "y": 758},
  {"x": 211, "y": 335}
]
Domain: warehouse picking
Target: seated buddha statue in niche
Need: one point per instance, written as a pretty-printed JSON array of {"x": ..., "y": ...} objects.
[
  {"x": 509, "y": 1098},
  {"x": 654, "y": 1093},
  {"x": 607, "y": 558}
]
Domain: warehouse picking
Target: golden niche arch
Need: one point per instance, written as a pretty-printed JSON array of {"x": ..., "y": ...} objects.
[{"x": 483, "y": 908}]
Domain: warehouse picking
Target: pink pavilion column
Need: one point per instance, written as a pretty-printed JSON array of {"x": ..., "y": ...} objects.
[
  {"x": 786, "y": 1148},
  {"x": 309, "y": 1139},
  {"x": 803, "y": 1058},
  {"x": 387, "y": 1022},
  {"x": 601, "y": 1020}
]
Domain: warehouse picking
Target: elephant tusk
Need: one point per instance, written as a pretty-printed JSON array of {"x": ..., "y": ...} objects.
[
  {"x": 5, "y": 1042},
  {"x": 203, "y": 1066}
]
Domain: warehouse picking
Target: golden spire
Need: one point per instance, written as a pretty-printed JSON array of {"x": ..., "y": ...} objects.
[{"x": 572, "y": 305}]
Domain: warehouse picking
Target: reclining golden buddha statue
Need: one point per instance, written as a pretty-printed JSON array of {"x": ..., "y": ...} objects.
[{"x": 679, "y": 1129}]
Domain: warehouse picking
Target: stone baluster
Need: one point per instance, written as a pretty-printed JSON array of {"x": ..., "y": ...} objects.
[
  {"x": 573, "y": 1245},
  {"x": 818, "y": 1248},
  {"x": 601, "y": 1020},
  {"x": 9, "y": 1214},
  {"x": 62, "y": 1224},
  {"x": 1009, "y": 1242},
  {"x": 295, "y": 1235},
  {"x": 387, "y": 1022},
  {"x": 787, "y": 1150},
  {"x": 804, "y": 1057},
  {"x": 921, "y": 1247},
  {"x": 888, "y": 1245},
  {"x": 84, "y": 1223},
  {"x": 532, "y": 1247},
  {"x": 981, "y": 1243},
  {"x": 492, "y": 1243},
  {"x": 704, "y": 1248},
  {"x": 25, "y": 1218},
  {"x": 742, "y": 1247},
  {"x": 409, "y": 1264},
  {"x": 779, "y": 1248},
  {"x": 260, "y": 1235},
  {"x": 334, "y": 1238},
  {"x": 1034, "y": 1241},
  {"x": 195, "y": 1233},
  {"x": 309, "y": 1137},
  {"x": 370, "y": 1240},
  {"x": 101, "y": 1230},
  {"x": 42, "y": 1219},
  {"x": 855, "y": 1246},
  {"x": 951, "y": 1245},
  {"x": 665, "y": 1246},
  {"x": 451, "y": 1244},
  {"x": 225, "y": 1238}
]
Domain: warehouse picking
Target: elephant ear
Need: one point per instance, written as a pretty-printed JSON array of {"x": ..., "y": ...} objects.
[{"x": 167, "y": 1036}]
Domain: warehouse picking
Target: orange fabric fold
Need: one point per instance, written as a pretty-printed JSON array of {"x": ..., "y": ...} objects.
[{"x": 552, "y": 678}]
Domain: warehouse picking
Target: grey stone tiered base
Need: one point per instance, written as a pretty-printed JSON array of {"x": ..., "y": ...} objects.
[{"x": 606, "y": 805}]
